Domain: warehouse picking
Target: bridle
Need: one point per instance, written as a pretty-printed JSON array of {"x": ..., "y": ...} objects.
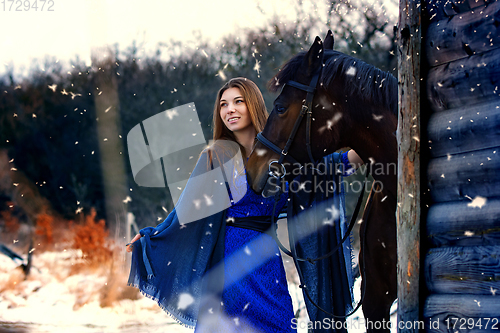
[{"x": 306, "y": 110}]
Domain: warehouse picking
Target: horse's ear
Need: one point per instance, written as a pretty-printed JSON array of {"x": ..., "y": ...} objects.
[
  {"x": 329, "y": 40},
  {"x": 314, "y": 57}
]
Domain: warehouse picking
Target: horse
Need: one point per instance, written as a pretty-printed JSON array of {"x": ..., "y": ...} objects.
[{"x": 351, "y": 104}]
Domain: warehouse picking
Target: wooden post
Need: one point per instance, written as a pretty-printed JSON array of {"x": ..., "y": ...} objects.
[
  {"x": 108, "y": 132},
  {"x": 408, "y": 211}
]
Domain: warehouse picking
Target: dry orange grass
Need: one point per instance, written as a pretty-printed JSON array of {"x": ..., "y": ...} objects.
[
  {"x": 11, "y": 223},
  {"x": 45, "y": 228},
  {"x": 91, "y": 238},
  {"x": 98, "y": 255},
  {"x": 99, "y": 252}
]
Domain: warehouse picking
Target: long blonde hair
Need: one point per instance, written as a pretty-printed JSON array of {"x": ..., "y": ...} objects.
[{"x": 253, "y": 100}]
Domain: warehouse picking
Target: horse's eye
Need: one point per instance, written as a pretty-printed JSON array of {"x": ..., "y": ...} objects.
[{"x": 280, "y": 108}]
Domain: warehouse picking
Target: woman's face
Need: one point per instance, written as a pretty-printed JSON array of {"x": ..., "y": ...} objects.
[{"x": 234, "y": 111}]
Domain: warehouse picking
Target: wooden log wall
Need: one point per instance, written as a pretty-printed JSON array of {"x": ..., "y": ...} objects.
[{"x": 462, "y": 264}]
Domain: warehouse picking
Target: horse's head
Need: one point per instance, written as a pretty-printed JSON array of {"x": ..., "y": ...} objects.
[{"x": 302, "y": 95}]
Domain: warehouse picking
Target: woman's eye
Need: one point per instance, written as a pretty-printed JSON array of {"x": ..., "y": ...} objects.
[
  {"x": 223, "y": 105},
  {"x": 239, "y": 101}
]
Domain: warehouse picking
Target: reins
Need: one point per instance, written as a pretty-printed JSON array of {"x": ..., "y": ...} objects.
[{"x": 296, "y": 258}]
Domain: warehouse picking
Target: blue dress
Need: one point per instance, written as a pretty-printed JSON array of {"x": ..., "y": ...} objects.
[
  {"x": 256, "y": 301},
  {"x": 256, "y": 298},
  {"x": 260, "y": 297}
]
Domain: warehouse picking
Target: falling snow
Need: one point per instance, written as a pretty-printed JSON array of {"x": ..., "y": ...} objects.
[
  {"x": 208, "y": 200},
  {"x": 351, "y": 71},
  {"x": 260, "y": 152},
  {"x": 171, "y": 114},
  {"x": 334, "y": 213},
  {"x": 330, "y": 123},
  {"x": 185, "y": 300},
  {"x": 257, "y": 67},
  {"x": 197, "y": 204},
  {"x": 478, "y": 202},
  {"x": 246, "y": 307}
]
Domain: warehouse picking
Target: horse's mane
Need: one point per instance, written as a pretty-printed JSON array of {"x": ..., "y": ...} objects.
[{"x": 360, "y": 79}]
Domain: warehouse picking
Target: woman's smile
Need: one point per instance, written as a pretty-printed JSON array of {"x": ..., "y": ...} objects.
[{"x": 232, "y": 120}]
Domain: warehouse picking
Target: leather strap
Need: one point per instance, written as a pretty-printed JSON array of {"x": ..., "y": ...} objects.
[
  {"x": 273, "y": 147},
  {"x": 257, "y": 223}
]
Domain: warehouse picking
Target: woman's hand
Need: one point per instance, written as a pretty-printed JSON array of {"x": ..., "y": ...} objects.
[
  {"x": 354, "y": 159},
  {"x": 131, "y": 244}
]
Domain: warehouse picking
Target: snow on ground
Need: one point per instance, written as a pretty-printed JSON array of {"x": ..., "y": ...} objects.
[
  {"x": 52, "y": 300},
  {"x": 56, "y": 299}
]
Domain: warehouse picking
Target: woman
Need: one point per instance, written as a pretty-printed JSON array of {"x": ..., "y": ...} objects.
[{"x": 253, "y": 296}]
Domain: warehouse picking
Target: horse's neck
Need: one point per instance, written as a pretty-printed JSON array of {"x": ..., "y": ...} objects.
[
  {"x": 377, "y": 147},
  {"x": 384, "y": 170}
]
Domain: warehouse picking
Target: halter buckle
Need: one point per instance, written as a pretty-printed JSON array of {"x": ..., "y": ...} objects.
[{"x": 304, "y": 109}]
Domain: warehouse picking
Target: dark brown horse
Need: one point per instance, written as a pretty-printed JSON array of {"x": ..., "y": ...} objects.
[{"x": 354, "y": 105}]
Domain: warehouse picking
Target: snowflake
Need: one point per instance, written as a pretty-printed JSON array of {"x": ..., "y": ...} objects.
[
  {"x": 73, "y": 95},
  {"x": 330, "y": 123},
  {"x": 478, "y": 201},
  {"x": 351, "y": 71},
  {"x": 208, "y": 200},
  {"x": 222, "y": 75},
  {"x": 335, "y": 214},
  {"x": 197, "y": 204},
  {"x": 260, "y": 152},
  {"x": 171, "y": 113}
]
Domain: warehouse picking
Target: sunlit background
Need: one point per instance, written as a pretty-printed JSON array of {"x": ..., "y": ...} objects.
[
  {"x": 73, "y": 28},
  {"x": 75, "y": 78},
  {"x": 69, "y": 29}
]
